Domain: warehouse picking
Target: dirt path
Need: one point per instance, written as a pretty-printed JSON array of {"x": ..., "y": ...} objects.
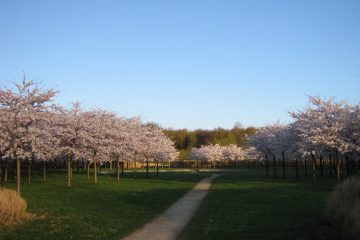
[{"x": 172, "y": 222}]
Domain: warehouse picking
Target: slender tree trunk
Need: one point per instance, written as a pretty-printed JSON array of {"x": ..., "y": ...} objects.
[
  {"x": 352, "y": 167},
  {"x": 274, "y": 160},
  {"x": 157, "y": 169},
  {"x": 337, "y": 167},
  {"x": 267, "y": 165},
  {"x": 69, "y": 170},
  {"x": 147, "y": 168},
  {"x": 283, "y": 164},
  {"x": 297, "y": 169},
  {"x": 88, "y": 169},
  {"x": 78, "y": 165},
  {"x": 18, "y": 175},
  {"x": 135, "y": 170},
  {"x": 313, "y": 168},
  {"x": 306, "y": 168},
  {"x": 95, "y": 171},
  {"x": 347, "y": 163},
  {"x": 118, "y": 169},
  {"x": 29, "y": 172},
  {"x": 82, "y": 165},
  {"x": 6, "y": 171},
  {"x": 44, "y": 171},
  {"x": 331, "y": 173},
  {"x": 321, "y": 166}
]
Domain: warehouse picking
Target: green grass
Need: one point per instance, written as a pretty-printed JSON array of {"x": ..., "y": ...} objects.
[
  {"x": 242, "y": 205},
  {"x": 107, "y": 210},
  {"x": 248, "y": 205}
]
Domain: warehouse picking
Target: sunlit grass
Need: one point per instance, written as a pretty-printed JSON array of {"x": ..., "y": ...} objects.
[{"x": 107, "y": 210}]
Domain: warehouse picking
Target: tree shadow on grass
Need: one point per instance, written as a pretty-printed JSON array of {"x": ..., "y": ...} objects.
[{"x": 239, "y": 208}]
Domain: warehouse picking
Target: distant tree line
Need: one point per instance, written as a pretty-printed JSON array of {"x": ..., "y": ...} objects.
[{"x": 185, "y": 140}]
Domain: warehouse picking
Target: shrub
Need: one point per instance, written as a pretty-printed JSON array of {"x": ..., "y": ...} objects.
[
  {"x": 343, "y": 206},
  {"x": 12, "y": 208}
]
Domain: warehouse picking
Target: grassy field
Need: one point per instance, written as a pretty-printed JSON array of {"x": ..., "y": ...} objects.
[
  {"x": 107, "y": 210},
  {"x": 247, "y": 205},
  {"x": 241, "y": 205}
]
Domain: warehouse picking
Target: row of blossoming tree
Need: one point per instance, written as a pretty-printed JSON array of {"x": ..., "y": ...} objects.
[
  {"x": 34, "y": 128},
  {"x": 214, "y": 154},
  {"x": 325, "y": 133}
]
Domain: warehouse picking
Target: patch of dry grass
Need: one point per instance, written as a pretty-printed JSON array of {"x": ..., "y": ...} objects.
[
  {"x": 12, "y": 208},
  {"x": 343, "y": 206}
]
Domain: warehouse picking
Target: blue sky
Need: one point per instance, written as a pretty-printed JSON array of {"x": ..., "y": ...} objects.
[{"x": 186, "y": 64}]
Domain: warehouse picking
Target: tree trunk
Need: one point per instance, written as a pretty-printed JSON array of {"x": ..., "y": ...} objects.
[
  {"x": 313, "y": 168},
  {"x": 135, "y": 170},
  {"x": 118, "y": 169},
  {"x": 331, "y": 166},
  {"x": 274, "y": 160},
  {"x": 353, "y": 166},
  {"x": 95, "y": 171},
  {"x": 267, "y": 165},
  {"x": 306, "y": 168},
  {"x": 147, "y": 168},
  {"x": 347, "y": 163},
  {"x": 337, "y": 167},
  {"x": 6, "y": 171},
  {"x": 44, "y": 171},
  {"x": 18, "y": 175},
  {"x": 321, "y": 166},
  {"x": 82, "y": 165},
  {"x": 88, "y": 169},
  {"x": 78, "y": 165},
  {"x": 29, "y": 172},
  {"x": 297, "y": 169},
  {"x": 157, "y": 169},
  {"x": 283, "y": 164},
  {"x": 69, "y": 170}
]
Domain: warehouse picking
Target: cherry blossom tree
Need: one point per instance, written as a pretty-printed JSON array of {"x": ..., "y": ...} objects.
[
  {"x": 321, "y": 125},
  {"x": 24, "y": 108},
  {"x": 72, "y": 131},
  {"x": 123, "y": 140},
  {"x": 166, "y": 152},
  {"x": 233, "y": 153},
  {"x": 263, "y": 142}
]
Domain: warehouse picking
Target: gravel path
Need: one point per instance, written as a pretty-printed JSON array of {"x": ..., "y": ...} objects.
[{"x": 170, "y": 224}]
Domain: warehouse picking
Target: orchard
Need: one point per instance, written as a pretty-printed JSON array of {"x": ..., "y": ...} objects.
[
  {"x": 33, "y": 128},
  {"x": 322, "y": 142}
]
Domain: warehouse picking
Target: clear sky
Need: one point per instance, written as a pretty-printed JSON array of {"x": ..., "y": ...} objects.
[{"x": 186, "y": 64}]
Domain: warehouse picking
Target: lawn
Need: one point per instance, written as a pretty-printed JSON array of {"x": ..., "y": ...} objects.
[
  {"x": 242, "y": 205},
  {"x": 107, "y": 210},
  {"x": 248, "y": 205}
]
